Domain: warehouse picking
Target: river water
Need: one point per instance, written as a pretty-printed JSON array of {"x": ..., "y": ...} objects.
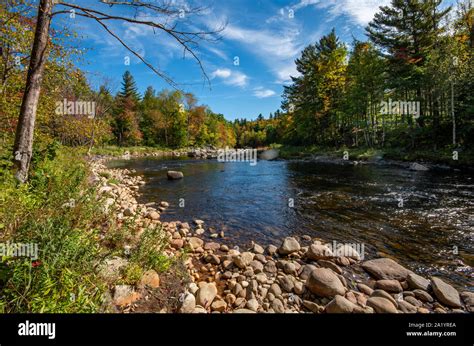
[{"x": 424, "y": 220}]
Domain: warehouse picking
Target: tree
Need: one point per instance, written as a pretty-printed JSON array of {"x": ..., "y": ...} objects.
[
  {"x": 188, "y": 39},
  {"x": 126, "y": 127},
  {"x": 407, "y": 31},
  {"x": 314, "y": 98}
]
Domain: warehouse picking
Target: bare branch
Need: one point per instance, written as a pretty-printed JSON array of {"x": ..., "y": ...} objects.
[{"x": 187, "y": 39}]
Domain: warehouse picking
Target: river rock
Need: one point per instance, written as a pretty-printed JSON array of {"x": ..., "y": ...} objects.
[
  {"x": 386, "y": 268},
  {"x": 325, "y": 283},
  {"x": 151, "y": 279},
  {"x": 275, "y": 290},
  {"x": 406, "y": 307},
  {"x": 445, "y": 293},
  {"x": 153, "y": 215},
  {"x": 383, "y": 294},
  {"x": 416, "y": 281},
  {"x": 347, "y": 251},
  {"x": 278, "y": 306},
  {"x": 243, "y": 260},
  {"x": 252, "y": 304},
  {"x": 313, "y": 307},
  {"x": 243, "y": 311},
  {"x": 317, "y": 252},
  {"x": 365, "y": 289},
  {"x": 340, "y": 305},
  {"x": 468, "y": 298},
  {"x": 289, "y": 246},
  {"x": 381, "y": 305},
  {"x": 195, "y": 243},
  {"x": 306, "y": 270},
  {"x": 389, "y": 285},
  {"x": 271, "y": 249},
  {"x": 423, "y": 296},
  {"x": 188, "y": 304},
  {"x": 206, "y": 294},
  {"x": 219, "y": 305},
  {"x": 258, "y": 249},
  {"x": 174, "y": 175},
  {"x": 125, "y": 295},
  {"x": 418, "y": 167},
  {"x": 331, "y": 265}
]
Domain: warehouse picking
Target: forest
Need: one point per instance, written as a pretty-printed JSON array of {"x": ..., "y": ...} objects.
[{"x": 335, "y": 101}]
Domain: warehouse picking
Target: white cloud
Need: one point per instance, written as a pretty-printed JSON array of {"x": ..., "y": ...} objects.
[
  {"x": 263, "y": 93},
  {"x": 360, "y": 11},
  {"x": 229, "y": 77}
]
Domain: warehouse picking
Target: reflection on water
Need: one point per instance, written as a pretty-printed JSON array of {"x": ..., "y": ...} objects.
[{"x": 423, "y": 219}]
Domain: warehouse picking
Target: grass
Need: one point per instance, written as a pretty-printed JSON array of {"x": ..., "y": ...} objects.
[
  {"x": 60, "y": 212},
  {"x": 114, "y": 150}
]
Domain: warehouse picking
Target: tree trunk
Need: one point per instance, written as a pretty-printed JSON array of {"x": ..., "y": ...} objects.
[{"x": 23, "y": 147}]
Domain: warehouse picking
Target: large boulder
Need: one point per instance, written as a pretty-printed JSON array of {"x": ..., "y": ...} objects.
[
  {"x": 289, "y": 246},
  {"x": 445, "y": 293},
  {"x": 386, "y": 269},
  {"x": 174, "y": 175},
  {"x": 325, "y": 283}
]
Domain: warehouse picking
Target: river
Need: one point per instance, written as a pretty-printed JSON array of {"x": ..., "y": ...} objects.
[{"x": 424, "y": 220}]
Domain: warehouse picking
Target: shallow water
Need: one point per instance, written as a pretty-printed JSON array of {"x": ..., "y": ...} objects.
[{"x": 424, "y": 220}]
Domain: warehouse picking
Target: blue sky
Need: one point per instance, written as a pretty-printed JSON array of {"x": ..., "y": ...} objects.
[{"x": 266, "y": 36}]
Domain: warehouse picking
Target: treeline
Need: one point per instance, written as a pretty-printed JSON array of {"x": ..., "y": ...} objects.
[
  {"x": 409, "y": 85},
  {"x": 166, "y": 118}
]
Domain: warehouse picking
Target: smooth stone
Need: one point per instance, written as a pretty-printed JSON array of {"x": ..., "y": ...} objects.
[
  {"x": 219, "y": 305},
  {"x": 289, "y": 246},
  {"x": 381, "y": 305},
  {"x": 445, "y": 293},
  {"x": 151, "y": 279},
  {"x": 206, "y": 294},
  {"x": 340, "y": 305},
  {"x": 389, "y": 285},
  {"x": 313, "y": 307},
  {"x": 316, "y": 252},
  {"x": 347, "y": 251},
  {"x": 385, "y": 269},
  {"x": 325, "y": 283},
  {"x": 423, "y": 296},
  {"x": 243, "y": 260},
  {"x": 252, "y": 304},
  {"x": 189, "y": 304},
  {"x": 174, "y": 175},
  {"x": 278, "y": 306},
  {"x": 383, "y": 294},
  {"x": 416, "y": 281},
  {"x": 195, "y": 243},
  {"x": 365, "y": 289}
]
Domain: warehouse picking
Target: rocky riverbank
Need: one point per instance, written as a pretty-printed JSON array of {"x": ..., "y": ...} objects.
[{"x": 295, "y": 275}]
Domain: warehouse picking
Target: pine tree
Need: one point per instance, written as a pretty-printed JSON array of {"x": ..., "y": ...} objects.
[
  {"x": 126, "y": 124},
  {"x": 407, "y": 31}
]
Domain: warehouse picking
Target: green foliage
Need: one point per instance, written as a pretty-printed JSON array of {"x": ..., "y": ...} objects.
[{"x": 63, "y": 277}]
